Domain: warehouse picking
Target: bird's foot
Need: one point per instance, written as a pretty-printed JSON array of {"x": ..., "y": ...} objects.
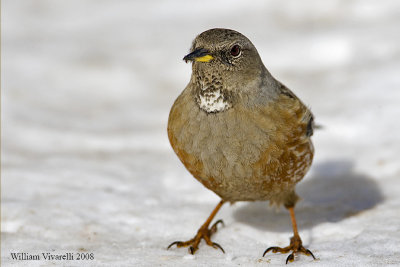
[
  {"x": 203, "y": 233},
  {"x": 295, "y": 246}
]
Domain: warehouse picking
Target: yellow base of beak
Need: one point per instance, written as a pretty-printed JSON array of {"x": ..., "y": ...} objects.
[{"x": 206, "y": 58}]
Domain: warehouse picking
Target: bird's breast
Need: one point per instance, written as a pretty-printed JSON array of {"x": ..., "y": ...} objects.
[{"x": 239, "y": 154}]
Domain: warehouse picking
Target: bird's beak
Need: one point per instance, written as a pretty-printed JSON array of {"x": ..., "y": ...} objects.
[{"x": 200, "y": 55}]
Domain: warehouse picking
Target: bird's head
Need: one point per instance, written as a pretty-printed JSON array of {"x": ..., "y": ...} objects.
[{"x": 227, "y": 53}]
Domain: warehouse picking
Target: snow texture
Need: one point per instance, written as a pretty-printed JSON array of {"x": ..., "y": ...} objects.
[{"x": 87, "y": 166}]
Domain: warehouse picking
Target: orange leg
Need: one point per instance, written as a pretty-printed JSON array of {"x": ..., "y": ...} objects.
[
  {"x": 203, "y": 233},
  {"x": 295, "y": 246}
]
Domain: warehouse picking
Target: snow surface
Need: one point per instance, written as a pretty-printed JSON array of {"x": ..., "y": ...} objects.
[{"x": 87, "y": 167}]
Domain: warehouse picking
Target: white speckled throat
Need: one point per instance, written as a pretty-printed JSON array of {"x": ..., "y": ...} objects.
[
  {"x": 212, "y": 101},
  {"x": 210, "y": 95}
]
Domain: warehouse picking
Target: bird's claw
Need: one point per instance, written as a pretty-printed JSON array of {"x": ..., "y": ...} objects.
[
  {"x": 216, "y": 246},
  {"x": 202, "y": 233},
  {"x": 214, "y": 228},
  {"x": 273, "y": 249},
  {"x": 295, "y": 246},
  {"x": 290, "y": 257},
  {"x": 177, "y": 243}
]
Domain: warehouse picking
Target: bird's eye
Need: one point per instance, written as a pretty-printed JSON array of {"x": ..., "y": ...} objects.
[{"x": 235, "y": 50}]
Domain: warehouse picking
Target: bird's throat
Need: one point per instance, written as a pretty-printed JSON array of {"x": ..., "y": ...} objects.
[{"x": 210, "y": 96}]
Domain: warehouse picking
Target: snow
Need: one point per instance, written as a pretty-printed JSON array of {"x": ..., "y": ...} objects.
[{"x": 86, "y": 163}]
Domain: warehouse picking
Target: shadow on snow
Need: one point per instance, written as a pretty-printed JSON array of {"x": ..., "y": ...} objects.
[{"x": 334, "y": 193}]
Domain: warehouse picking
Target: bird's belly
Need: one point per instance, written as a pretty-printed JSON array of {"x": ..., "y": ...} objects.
[
  {"x": 241, "y": 163},
  {"x": 266, "y": 177}
]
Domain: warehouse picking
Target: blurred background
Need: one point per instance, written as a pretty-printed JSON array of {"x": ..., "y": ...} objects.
[{"x": 85, "y": 159}]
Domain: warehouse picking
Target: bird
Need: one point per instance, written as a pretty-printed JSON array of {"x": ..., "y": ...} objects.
[{"x": 240, "y": 132}]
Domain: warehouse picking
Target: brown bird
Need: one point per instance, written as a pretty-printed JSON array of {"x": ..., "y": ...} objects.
[{"x": 239, "y": 131}]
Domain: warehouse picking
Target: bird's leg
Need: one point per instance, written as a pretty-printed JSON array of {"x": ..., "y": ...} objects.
[
  {"x": 203, "y": 233},
  {"x": 295, "y": 246}
]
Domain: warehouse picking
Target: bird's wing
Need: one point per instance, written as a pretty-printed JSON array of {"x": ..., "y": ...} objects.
[{"x": 306, "y": 117}]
